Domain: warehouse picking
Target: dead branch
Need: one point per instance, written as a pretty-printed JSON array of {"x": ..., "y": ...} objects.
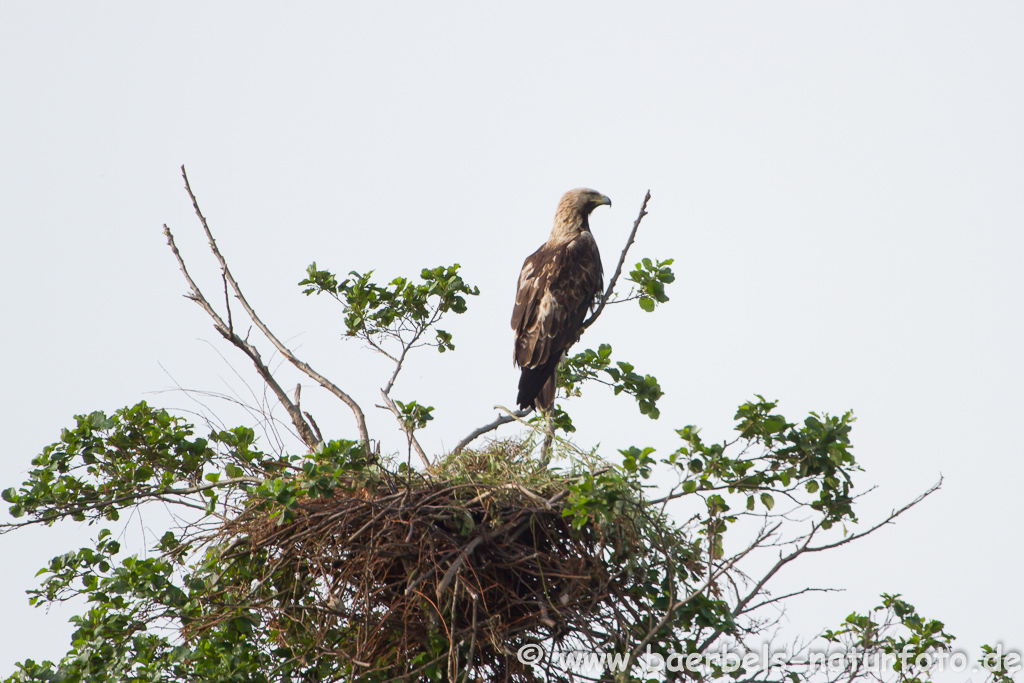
[
  {"x": 305, "y": 430},
  {"x": 227, "y": 331},
  {"x": 622, "y": 259},
  {"x": 463, "y": 556},
  {"x": 712, "y": 576},
  {"x": 780, "y": 598},
  {"x": 888, "y": 520},
  {"x": 512, "y": 415},
  {"x": 806, "y": 547},
  {"x": 489, "y": 427}
]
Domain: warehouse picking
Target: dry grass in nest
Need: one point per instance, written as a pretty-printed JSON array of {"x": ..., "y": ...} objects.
[{"x": 477, "y": 559}]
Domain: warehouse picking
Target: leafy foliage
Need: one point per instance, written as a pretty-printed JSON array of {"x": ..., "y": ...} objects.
[
  {"x": 140, "y": 608},
  {"x": 105, "y": 464},
  {"x": 414, "y": 415},
  {"x": 897, "y": 630},
  {"x": 813, "y": 459},
  {"x": 333, "y": 564},
  {"x": 188, "y": 613},
  {"x": 400, "y": 310},
  {"x": 650, "y": 278},
  {"x": 585, "y": 366},
  {"x": 915, "y": 646}
]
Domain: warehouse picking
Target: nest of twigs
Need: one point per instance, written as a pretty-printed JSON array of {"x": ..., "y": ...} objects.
[{"x": 454, "y": 570}]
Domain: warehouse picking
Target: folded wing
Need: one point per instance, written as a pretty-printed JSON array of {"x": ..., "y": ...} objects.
[{"x": 557, "y": 286}]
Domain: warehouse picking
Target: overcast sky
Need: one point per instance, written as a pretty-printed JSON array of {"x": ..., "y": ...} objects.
[{"x": 840, "y": 184}]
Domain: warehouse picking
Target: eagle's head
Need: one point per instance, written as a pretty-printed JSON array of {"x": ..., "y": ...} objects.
[
  {"x": 583, "y": 200},
  {"x": 573, "y": 210}
]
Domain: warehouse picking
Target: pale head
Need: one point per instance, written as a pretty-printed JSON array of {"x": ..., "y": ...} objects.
[{"x": 573, "y": 210}]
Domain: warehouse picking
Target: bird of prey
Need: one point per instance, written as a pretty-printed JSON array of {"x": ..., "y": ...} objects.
[{"x": 557, "y": 286}]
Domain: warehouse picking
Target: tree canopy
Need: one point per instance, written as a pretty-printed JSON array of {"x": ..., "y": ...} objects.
[{"x": 326, "y": 559}]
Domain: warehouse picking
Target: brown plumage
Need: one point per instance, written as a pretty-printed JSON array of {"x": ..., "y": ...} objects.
[{"x": 557, "y": 285}]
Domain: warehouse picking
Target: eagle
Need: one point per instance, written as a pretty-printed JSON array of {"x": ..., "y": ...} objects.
[{"x": 557, "y": 286}]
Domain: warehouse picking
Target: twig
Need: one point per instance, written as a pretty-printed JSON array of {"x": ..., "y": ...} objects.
[
  {"x": 409, "y": 431},
  {"x": 463, "y": 556},
  {"x": 780, "y": 598},
  {"x": 618, "y": 268},
  {"x": 226, "y": 331},
  {"x": 888, "y": 520},
  {"x": 472, "y": 637},
  {"x": 227, "y": 305},
  {"x": 453, "y": 654},
  {"x": 523, "y": 422},
  {"x": 806, "y": 547},
  {"x": 312, "y": 423},
  {"x": 653, "y": 631},
  {"x": 370, "y": 523},
  {"x": 491, "y": 426},
  {"x": 282, "y": 349},
  {"x": 531, "y": 495},
  {"x": 390, "y": 404},
  {"x": 423, "y": 577},
  {"x": 401, "y": 358}
]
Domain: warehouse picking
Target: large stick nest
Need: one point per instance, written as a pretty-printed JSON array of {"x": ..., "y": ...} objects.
[{"x": 433, "y": 573}]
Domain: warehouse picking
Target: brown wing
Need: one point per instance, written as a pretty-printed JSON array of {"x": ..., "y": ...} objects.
[{"x": 556, "y": 287}]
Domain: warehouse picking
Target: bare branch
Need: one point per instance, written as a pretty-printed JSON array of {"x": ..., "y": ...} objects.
[
  {"x": 622, "y": 259},
  {"x": 888, "y": 520},
  {"x": 282, "y": 349},
  {"x": 472, "y": 639},
  {"x": 490, "y": 427},
  {"x": 514, "y": 416},
  {"x": 780, "y": 598},
  {"x": 226, "y": 331},
  {"x": 653, "y": 631},
  {"x": 227, "y": 304},
  {"x": 806, "y": 547},
  {"x": 312, "y": 423},
  {"x": 401, "y": 358},
  {"x": 463, "y": 556}
]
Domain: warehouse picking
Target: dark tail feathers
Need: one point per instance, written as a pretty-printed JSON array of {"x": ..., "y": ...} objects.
[{"x": 537, "y": 385}]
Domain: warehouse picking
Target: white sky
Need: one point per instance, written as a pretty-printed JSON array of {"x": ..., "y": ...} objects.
[{"x": 840, "y": 184}]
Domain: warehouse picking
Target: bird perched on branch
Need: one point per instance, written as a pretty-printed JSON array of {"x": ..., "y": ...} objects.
[{"x": 557, "y": 286}]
